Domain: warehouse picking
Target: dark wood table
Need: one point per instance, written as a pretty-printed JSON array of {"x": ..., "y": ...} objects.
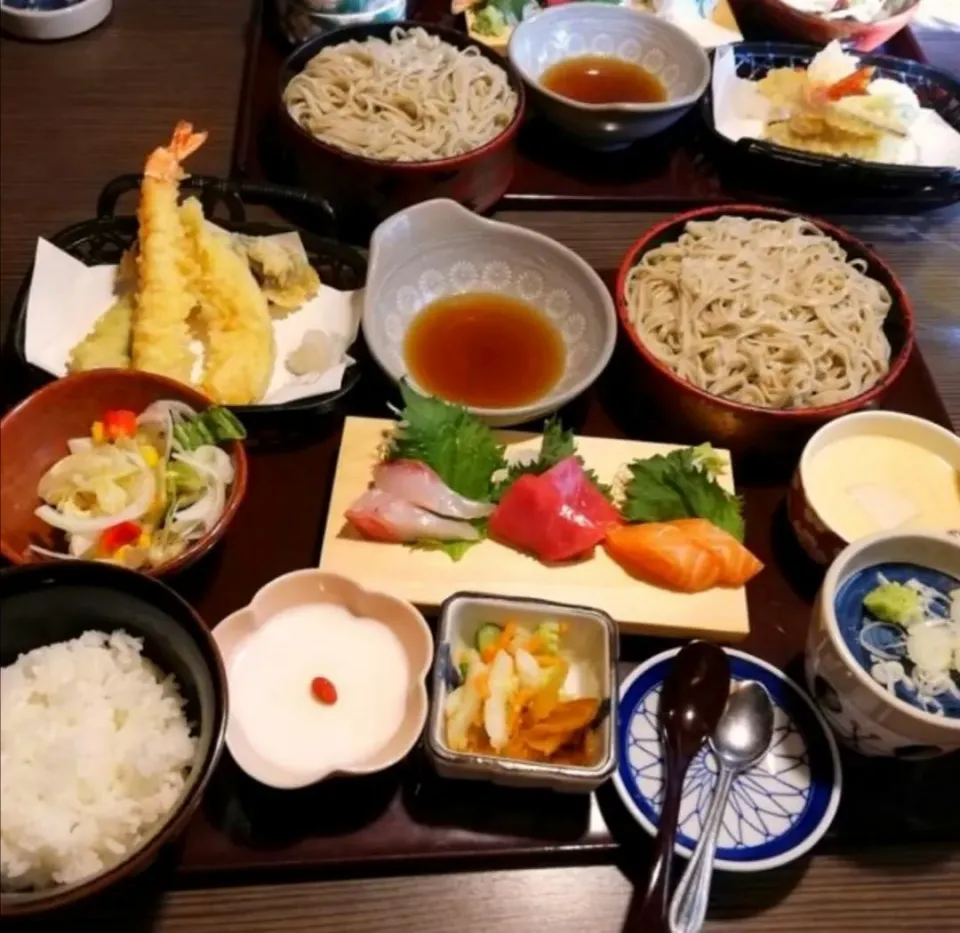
[{"x": 75, "y": 114}]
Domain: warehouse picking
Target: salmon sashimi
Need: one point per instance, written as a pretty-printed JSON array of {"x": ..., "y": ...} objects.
[
  {"x": 663, "y": 554},
  {"x": 557, "y": 516},
  {"x": 385, "y": 517},
  {"x": 737, "y": 564},
  {"x": 417, "y": 483}
]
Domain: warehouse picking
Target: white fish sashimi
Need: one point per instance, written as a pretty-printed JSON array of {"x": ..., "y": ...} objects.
[
  {"x": 385, "y": 517},
  {"x": 419, "y": 485}
]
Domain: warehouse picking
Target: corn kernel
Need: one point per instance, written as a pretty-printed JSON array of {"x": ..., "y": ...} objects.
[
  {"x": 144, "y": 539},
  {"x": 150, "y": 456},
  {"x": 97, "y": 432}
]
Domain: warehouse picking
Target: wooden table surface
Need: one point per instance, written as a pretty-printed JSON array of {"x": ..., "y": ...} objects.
[{"x": 73, "y": 115}]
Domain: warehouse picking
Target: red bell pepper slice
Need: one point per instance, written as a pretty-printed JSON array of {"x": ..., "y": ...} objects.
[
  {"x": 120, "y": 423},
  {"x": 118, "y": 536}
]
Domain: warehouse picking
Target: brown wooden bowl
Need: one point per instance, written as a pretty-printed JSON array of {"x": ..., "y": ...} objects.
[
  {"x": 809, "y": 27},
  {"x": 366, "y": 191},
  {"x": 34, "y": 435},
  {"x": 751, "y": 429}
]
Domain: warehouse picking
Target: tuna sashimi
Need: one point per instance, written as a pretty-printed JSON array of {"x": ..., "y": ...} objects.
[
  {"x": 559, "y": 515},
  {"x": 663, "y": 554},
  {"x": 578, "y": 492},
  {"x": 737, "y": 564},
  {"x": 384, "y": 517},
  {"x": 532, "y": 516},
  {"x": 417, "y": 483}
]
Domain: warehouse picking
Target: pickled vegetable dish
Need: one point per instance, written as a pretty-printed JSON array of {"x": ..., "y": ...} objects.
[{"x": 522, "y": 694}]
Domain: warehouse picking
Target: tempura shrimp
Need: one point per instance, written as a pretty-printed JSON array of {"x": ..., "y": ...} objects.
[{"x": 165, "y": 265}]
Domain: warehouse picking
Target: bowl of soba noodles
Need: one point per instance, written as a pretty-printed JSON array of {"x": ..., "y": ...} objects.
[
  {"x": 381, "y": 116},
  {"x": 754, "y": 326}
]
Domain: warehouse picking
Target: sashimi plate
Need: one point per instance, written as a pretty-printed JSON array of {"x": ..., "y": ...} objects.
[
  {"x": 427, "y": 578},
  {"x": 778, "y": 810}
]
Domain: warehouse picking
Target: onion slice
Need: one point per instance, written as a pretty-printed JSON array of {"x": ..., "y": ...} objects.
[{"x": 74, "y": 525}]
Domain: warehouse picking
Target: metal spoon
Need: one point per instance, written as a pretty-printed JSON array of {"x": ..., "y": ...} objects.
[
  {"x": 692, "y": 700},
  {"x": 742, "y": 738}
]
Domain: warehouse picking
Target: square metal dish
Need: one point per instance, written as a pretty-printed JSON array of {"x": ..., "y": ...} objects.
[{"x": 591, "y": 634}]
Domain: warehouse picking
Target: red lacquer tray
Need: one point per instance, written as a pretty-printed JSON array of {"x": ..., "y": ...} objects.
[
  {"x": 407, "y": 819},
  {"x": 670, "y": 172}
]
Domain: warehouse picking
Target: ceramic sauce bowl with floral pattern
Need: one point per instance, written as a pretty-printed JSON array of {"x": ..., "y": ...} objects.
[
  {"x": 869, "y": 717},
  {"x": 440, "y": 249},
  {"x": 576, "y": 29}
]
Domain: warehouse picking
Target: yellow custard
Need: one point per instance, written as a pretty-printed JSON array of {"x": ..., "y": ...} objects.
[{"x": 867, "y": 483}]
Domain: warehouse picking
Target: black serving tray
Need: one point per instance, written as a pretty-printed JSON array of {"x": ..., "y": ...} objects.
[
  {"x": 822, "y": 178},
  {"x": 104, "y": 239}
]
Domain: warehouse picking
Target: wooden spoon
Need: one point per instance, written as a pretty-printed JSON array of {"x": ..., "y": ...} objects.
[{"x": 692, "y": 701}]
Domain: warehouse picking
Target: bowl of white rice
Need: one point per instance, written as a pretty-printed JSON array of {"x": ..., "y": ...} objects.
[{"x": 113, "y": 706}]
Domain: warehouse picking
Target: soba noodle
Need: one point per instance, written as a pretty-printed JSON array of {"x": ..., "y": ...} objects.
[
  {"x": 415, "y": 98},
  {"x": 762, "y": 312}
]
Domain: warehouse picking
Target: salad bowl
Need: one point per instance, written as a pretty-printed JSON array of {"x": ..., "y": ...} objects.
[
  {"x": 792, "y": 21},
  {"x": 34, "y": 435}
]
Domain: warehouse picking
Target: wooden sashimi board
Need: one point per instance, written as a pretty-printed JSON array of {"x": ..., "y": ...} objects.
[{"x": 427, "y": 578}]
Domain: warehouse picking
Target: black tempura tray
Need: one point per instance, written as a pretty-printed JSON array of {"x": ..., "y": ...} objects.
[
  {"x": 105, "y": 238},
  {"x": 828, "y": 178}
]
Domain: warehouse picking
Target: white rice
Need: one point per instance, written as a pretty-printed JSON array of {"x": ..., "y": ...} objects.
[{"x": 94, "y": 751}]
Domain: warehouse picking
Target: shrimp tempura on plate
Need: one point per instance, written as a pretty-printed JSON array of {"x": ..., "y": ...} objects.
[
  {"x": 233, "y": 316},
  {"x": 165, "y": 269}
]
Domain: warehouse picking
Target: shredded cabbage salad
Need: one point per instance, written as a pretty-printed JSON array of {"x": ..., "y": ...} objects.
[
  {"x": 138, "y": 489},
  {"x": 912, "y": 637}
]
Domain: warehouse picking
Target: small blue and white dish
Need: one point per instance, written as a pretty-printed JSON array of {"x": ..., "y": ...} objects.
[
  {"x": 305, "y": 19},
  {"x": 51, "y": 20},
  {"x": 778, "y": 810}
]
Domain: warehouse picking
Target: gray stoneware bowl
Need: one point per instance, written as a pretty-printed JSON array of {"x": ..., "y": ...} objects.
[
  {"x": 440, "y": 248},
  {"x": 576, "y": 29}
]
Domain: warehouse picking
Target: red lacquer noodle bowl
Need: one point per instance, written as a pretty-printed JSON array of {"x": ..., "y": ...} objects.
[{"x": 701, "y": 416}]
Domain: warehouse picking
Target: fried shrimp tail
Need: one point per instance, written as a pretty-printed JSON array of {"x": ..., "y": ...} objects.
[
  {"x": 233, "y": 315},
  {"x": 166, "y": 273}
]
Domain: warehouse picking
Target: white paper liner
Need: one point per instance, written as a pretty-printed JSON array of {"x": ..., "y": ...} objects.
[{"x": 66, "y": 297}]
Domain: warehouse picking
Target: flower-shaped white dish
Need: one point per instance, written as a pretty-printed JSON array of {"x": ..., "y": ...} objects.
[
  {"x": 324, "y": 678},
  {"x": 576, "y": 29},
  {"x": 778, "y": 809},
  {"x": 438, "y": 248}
]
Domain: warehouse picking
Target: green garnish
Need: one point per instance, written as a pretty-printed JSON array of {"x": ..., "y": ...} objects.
[
  {"x": 461, "y": 450},
  {"x": 183, "y": 482},
  {"x": 682, "y": 485},
  {"x": 488, "y": 20},
  {"x": 557, "y": 444},
  {"x": 895, "y": 602},
  {"x": 216, "y": 425}
]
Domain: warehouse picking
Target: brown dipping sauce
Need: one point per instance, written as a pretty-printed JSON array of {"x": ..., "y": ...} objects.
[
  {"x": 601, "y": 79},
  {"x": 484, "y": 349}
]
